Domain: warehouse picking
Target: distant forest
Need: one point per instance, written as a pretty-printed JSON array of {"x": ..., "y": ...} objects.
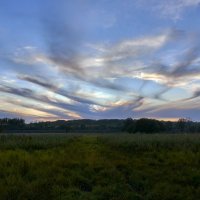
[{"x": 129, "y": 125}]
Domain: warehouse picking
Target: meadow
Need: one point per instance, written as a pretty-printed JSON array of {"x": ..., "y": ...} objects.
[{"x": 100, "y": 167}]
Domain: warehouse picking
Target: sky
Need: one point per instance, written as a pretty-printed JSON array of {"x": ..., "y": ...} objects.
[{"x": 77, "y": 59}]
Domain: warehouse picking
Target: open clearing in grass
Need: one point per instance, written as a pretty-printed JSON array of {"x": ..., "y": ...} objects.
[{"x": 98, "y": 167}]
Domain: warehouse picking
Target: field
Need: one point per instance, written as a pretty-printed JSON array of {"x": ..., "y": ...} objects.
[{"x": 100, "y": 167}]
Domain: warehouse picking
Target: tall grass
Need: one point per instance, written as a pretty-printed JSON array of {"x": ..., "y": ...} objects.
[
  {"x": 116, "y": 167},
  {"x": 154, "y": 141}
]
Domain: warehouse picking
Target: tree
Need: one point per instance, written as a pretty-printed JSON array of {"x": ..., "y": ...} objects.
[
  {"x": 129, "y": 125},
  {"x": 181, "y": 124},
  {"x": 145, "y": 125},
  {"x": 67, "y": 129},
  {"x": 1, "y": 129}
]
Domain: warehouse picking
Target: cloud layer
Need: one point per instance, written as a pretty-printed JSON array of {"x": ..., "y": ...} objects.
[{"x": 61, "y": 74}]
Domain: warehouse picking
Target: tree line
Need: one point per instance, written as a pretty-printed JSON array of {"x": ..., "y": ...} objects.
[
  {"x": 143, "y": 125},
  {"x": 62, "y": 126}
]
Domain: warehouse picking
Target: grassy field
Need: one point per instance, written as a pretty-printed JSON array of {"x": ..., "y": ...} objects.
[{"x": 117, "y": 167}]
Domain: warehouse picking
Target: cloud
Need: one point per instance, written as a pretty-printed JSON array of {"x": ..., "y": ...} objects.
[
  {"x": 182, "y": 71},
  {"x": 136, "y": 47},
  {"x": 39, "y": 81},
  {"x": 64, "y": 44},
  {"x": 101, "y": 67},
  {"x": 72, "y": 95},
  {"x": 114, "y": 78},
  {"x": 173, "y": 9},
  {"x": 121, "y": 110},
  {"x": 30, "y": 94},
  {"x": 195, "y": 94},
  {"x": 191, "y": 113},
  {"x": 128, "y": 58},
  {"x": 52, "y": 112},
  {"x": 115, "y": 60},
  {"x": 62, "y": 39},
  {"x": 9, "y": 114},
  {"x": 65, "y": 110}
]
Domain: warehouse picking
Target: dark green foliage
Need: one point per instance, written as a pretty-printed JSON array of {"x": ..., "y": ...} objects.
[
  {"x": 67, "y": 129},
  {"x": 145, "y": 125},
  {"x": 110, "y": 167},
  {"x": 62, "y": 126},
  {"x": 11, "y": 124},
  {"x": 148, "y": 126},
  {"x": 1, "y": 129},
  {"x": 129, "y": 125}
]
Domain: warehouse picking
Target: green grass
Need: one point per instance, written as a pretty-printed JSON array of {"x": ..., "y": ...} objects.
[{"x": 117, "y": 167}]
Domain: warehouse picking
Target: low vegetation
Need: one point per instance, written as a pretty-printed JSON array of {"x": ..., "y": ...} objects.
[{"x": 109, "y": 167}]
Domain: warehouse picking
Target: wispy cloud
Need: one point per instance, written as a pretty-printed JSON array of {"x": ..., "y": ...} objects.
[
  {"x": 173, "y": 9},
  {"x": 130, "y": 58},
  {"x": 80, "y": 59},
  {"x": 72, "y": 95}
]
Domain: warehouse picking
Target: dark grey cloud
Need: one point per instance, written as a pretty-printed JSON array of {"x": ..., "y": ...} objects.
[
  {"x": 8, "y": 114},
  {"x": 122, "y": 111},
  {"x": 30, "y": 94},
  {"x": 183, "y": 68},
  {"x": 195, "y": 94},
  {"x": 63, "y": 43},
  {"x": 42, "y": 81},
  {"x": 192, "y": 113},
  {"x": 159, "y": 94},
  {"x": 140, "y": 47},
  {"x": 39, "y": 80},
  {"x": 62, "y": 38},
  {"x": 84, "y": 110},
  {"x": 24, "y": 92},
  {"x": 57, "y": 113},
  {"x": 118, "y": 58}
]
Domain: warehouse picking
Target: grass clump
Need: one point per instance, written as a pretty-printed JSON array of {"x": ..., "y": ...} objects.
[{"x": 122, "y": 167}]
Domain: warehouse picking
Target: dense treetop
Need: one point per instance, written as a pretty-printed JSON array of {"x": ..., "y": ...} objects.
[{"x": 129, "y": 125}]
